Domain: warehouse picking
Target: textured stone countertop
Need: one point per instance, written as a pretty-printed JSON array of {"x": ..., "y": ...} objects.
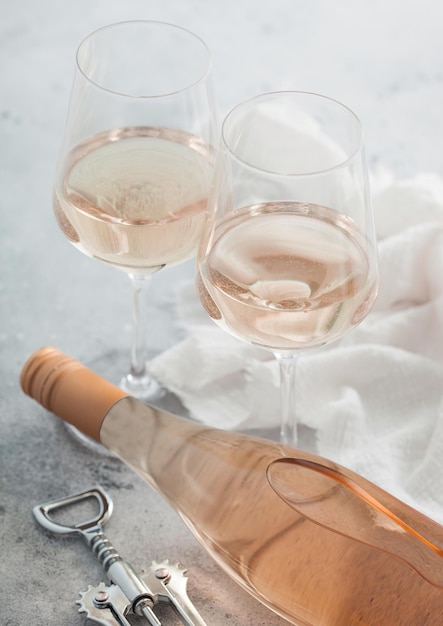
[{"x": 383, "y": 59}]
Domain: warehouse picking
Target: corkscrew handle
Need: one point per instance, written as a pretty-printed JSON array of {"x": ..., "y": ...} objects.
[{"x": 42, "y": 512}]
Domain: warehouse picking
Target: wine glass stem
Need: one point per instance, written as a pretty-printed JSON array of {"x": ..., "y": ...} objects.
[
  {"x": 288, "y": 428},
  {"x": 140, "y": 288}
]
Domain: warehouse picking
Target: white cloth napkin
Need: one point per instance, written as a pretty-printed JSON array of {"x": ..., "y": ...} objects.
[{"x": 375, "y": 398}]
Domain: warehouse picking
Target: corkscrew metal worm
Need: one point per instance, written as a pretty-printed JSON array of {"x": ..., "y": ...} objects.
[{"x": 128, "y": 592}]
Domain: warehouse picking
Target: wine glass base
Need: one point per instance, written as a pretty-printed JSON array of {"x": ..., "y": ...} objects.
[{"x": 145, "y": 387}]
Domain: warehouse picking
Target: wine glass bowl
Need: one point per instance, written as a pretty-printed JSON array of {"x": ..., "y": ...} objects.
[
  {"x": 134, "y": 169},
  {"x": 127, "y": 198},
  {"x": 288, "y": 260}
]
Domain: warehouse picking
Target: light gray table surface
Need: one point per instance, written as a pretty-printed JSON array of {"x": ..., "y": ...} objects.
[{"x": 382, "y": 58}]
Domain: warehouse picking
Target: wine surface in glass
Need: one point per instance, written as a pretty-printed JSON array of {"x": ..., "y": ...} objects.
[
  {"x": 287, "y": 275},
  {"x": 135, "y": 197}
]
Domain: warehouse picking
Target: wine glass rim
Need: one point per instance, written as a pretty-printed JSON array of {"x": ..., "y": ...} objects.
[
  {"x": 341, "y": 164},
  {"x": 192, "y": 84}
]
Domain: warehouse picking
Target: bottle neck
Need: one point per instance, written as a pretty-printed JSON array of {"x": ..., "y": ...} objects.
[{"x": 69, "y": 389}]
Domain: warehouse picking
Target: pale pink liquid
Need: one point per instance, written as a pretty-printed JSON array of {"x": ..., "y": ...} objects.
[
  {"x": 287, "y": 275},
  {"x": 135, "y": 197}
]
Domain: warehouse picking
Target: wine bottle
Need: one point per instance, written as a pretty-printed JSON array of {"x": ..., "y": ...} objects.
[{"x": 313, "y": 541}]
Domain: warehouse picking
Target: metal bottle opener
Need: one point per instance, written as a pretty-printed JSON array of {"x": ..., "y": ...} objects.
[{"x": 128, "y": 592}]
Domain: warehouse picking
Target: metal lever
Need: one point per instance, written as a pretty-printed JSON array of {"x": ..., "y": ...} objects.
[{"x": 129, "y": 593}]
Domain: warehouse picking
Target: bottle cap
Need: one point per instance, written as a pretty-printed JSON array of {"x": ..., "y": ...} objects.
[{"x": 69, "y": 389}]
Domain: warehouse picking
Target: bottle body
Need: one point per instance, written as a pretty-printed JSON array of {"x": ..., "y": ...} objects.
[
  {"x": 320, "y": 548},
  {"x": 217, "y": 481}
]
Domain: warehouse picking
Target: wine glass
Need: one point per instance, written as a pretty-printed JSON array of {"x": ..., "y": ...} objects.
[
  {"x": 133, "y": 174},
  {"x": 288, "y": 260}
]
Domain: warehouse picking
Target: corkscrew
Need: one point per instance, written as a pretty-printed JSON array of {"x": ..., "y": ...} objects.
[{"x": 128, "y": 593}]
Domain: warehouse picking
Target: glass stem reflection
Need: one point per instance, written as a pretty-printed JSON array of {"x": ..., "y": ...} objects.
[
  {"x": 140, "y": 288},
  {"x": 288, "y": 425}
]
